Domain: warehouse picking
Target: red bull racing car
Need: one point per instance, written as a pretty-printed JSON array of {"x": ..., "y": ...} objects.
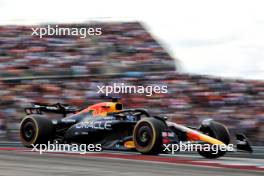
[{"x": 115, "y": 128}]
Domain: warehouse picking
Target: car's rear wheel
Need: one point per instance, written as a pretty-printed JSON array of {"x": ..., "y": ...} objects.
[
  {"x": 218, "y": 131},
  {"x": 147, "y": 135},
  {"x": 36, "y": 129}
]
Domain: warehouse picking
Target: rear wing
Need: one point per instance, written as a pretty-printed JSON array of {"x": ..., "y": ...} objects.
[{"x": 39, "y": 108}]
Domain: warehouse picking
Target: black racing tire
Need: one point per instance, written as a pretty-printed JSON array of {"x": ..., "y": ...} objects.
[
  {"x": 36, "y": 129},
  {"x": 147, "y": 136},
  {"x": 218, "y": 131}
]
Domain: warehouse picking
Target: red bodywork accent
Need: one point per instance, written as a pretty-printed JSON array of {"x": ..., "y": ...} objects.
[
  {"x": 192, "y": 136},
  {"x": 96, "y": 109}
]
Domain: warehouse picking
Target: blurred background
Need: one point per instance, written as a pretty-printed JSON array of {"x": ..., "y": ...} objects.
[{"x": 167, "y": 46}]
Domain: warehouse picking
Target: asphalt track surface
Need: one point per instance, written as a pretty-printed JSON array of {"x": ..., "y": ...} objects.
[{"x": 21, "y": 161}]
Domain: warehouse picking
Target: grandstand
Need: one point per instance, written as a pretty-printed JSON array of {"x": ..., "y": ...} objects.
[{"x": 123, "y": 47}]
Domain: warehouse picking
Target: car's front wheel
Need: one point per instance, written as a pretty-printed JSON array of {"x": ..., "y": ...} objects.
[
  {"x": 147, "y": 135},
  {"x": 218, "y": 131}
]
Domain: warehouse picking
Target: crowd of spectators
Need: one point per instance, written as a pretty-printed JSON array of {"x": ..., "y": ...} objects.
[
  {"x": 122, "y": 47},
  {"x": 125, "y": 49}
]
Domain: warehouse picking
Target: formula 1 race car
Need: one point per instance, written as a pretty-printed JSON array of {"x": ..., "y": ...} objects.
[{"x": 116, "y": 128}]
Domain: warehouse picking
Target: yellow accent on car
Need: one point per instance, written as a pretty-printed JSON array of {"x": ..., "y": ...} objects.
[
  {"x": 129, "y": 144},
  {"x": 210, "y": 140}
]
